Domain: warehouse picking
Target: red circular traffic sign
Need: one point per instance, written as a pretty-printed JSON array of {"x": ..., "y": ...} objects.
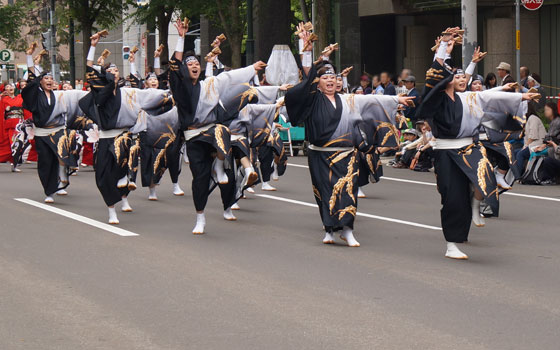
[{"x": 532, "y": 4}]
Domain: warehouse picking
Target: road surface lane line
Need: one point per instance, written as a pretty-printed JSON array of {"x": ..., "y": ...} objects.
[
  {"x": 80, "y": 218},
  {"x": 383, "y": 218},
  {"x": 433, "y": 184}
]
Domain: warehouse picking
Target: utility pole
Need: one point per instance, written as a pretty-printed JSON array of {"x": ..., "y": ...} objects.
[
  {"x": 54, "y": 67},
  {"x": 517, "y": 39},
  {"x": 72, "y": 54},
  {"x": 250, "y": 43},
  {"x": 469, "y": 24}
]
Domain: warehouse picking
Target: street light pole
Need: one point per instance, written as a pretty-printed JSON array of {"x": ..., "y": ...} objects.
[
  {"x": 250, "y": 44},
  {"x": 54, "y": 66},
  {"x": 72, "y": 54},
  {"x": 469, "y": 24}
]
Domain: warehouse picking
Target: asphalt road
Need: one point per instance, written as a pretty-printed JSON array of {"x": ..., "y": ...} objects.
[{"x": 266, "y": 281}]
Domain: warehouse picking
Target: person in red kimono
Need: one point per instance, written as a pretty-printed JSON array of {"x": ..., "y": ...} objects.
[{"x": 11, "y": 114}]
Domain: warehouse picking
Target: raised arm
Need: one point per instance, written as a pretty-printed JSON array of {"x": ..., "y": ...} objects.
[
  {"x": 157, "y": 60},
  {"x": 91, "y": 54},
  {"x": 182, "y": 29}
]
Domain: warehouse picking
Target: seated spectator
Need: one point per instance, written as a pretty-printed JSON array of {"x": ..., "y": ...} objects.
[
  {"x": 401, "y": 85},
  {"x": 387, "y": 85},
  {"x": 534, "y": 137},
  {"x": 365, "y": 83},
  {"x": 407, "y": 149},
  {"x": 377, "y": 85},
  {"x": 424, "y": 156},
  {"x": 491, "y": 81}
]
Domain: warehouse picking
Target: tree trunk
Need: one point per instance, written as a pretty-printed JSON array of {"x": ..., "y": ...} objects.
[
  {"x": 272, "y": 26},
  {"x": 304, "y": 12},
  {"x": 86, "y": 33},
  {"x": 236, "y": 50},
  {"x": 163, "y": 28},
  {"x": 322, "y": 24}
]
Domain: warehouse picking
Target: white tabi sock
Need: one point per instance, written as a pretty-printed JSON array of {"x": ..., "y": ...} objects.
[
  {"x": 501, "y": 180},
  {"x": 153, "y": 195},
  {"x": 62, "y": 175},
  {"x": 220, "y": 173},
  {"x": 49, "y": 199},
  {"x": 123, "y": 182},
  {"x": 228, "y": 215},
  {"x": 477, "y": 219},
  {"x": 125, "y": 206},
  {"x": 275, "y": 173},
  {"x": 61, "y": 192},
  {"x": 177, "y": 191},
  {"x": 361, "y": 193},
  {"x": 200, "y": 223},
  {"x": 329, "y": 238},
  {"x": 267, "y": 187},
  {"x": 250, "y": 190},
  {"x": 348, "y": 236},
  {"x": 251, "y": 177},
  {"x": 453, "y": 252},
  {"x": 113, "y": 216},
  {"x": 235, "y": 206}
]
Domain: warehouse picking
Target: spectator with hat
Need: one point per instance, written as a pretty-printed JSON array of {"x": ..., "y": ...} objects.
[
  {"x": 365, "y": 83},
  {"x": 504, "y": 70},
  {"x": 410, "y": 84}
]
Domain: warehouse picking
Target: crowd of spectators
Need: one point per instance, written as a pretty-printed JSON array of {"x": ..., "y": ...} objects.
[{"x": 415, "y": 151}]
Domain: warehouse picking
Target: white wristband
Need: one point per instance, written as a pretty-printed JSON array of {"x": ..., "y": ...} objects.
[
  {"x": 325, "y": 58},
  {"x": 132, "y": 68},
  {"x": 470, "y": 68},
  {"x": 256, "y": 81},
  {"x": 30, "y": 61},
  {"x": 300, "y": 43},
  {"x": 442, "y": 50},
  {"x": 91, "y": 53},
  {"x": 157, "y": 63},
  {"x": 307, "y": 59},
  {"x": 38, "y": 69},
  {"x": 209, "y": 69},
  {"x": 180, "y": 44},
  {"x": 344, "y": 82}
]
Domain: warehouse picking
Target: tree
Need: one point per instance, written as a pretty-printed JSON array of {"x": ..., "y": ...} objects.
[
  {"x": 91, "y": 15},
  {"x": 10, "y": 26}
]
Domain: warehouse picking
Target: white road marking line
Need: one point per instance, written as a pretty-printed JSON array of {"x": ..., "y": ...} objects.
[
  {"x": 83, "y": 219},
  {"x": 383, "y": 218},
  {"x": 433, "y": 184}
]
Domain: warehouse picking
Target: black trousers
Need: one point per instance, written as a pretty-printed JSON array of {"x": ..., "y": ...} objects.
[
  {"x": 266, "y": 157},
  {"x": 174, "y": 159},
  {"x": 454, "y": 188},
  {"x": 47, "y": 165},
  {"x": 108, "y": 172},
  {"x": 201, "y": 159}
]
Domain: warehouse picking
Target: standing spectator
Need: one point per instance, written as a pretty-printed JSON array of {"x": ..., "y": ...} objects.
[
  {"x": 387, "y": 86},
  {"x": 410, "y": 84},
  {"x": 504, "y": 70},
  {"x": 491, "y": 81},
  {"x": 377, "y": 85},
  {"x": 524, "y": 74}
]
